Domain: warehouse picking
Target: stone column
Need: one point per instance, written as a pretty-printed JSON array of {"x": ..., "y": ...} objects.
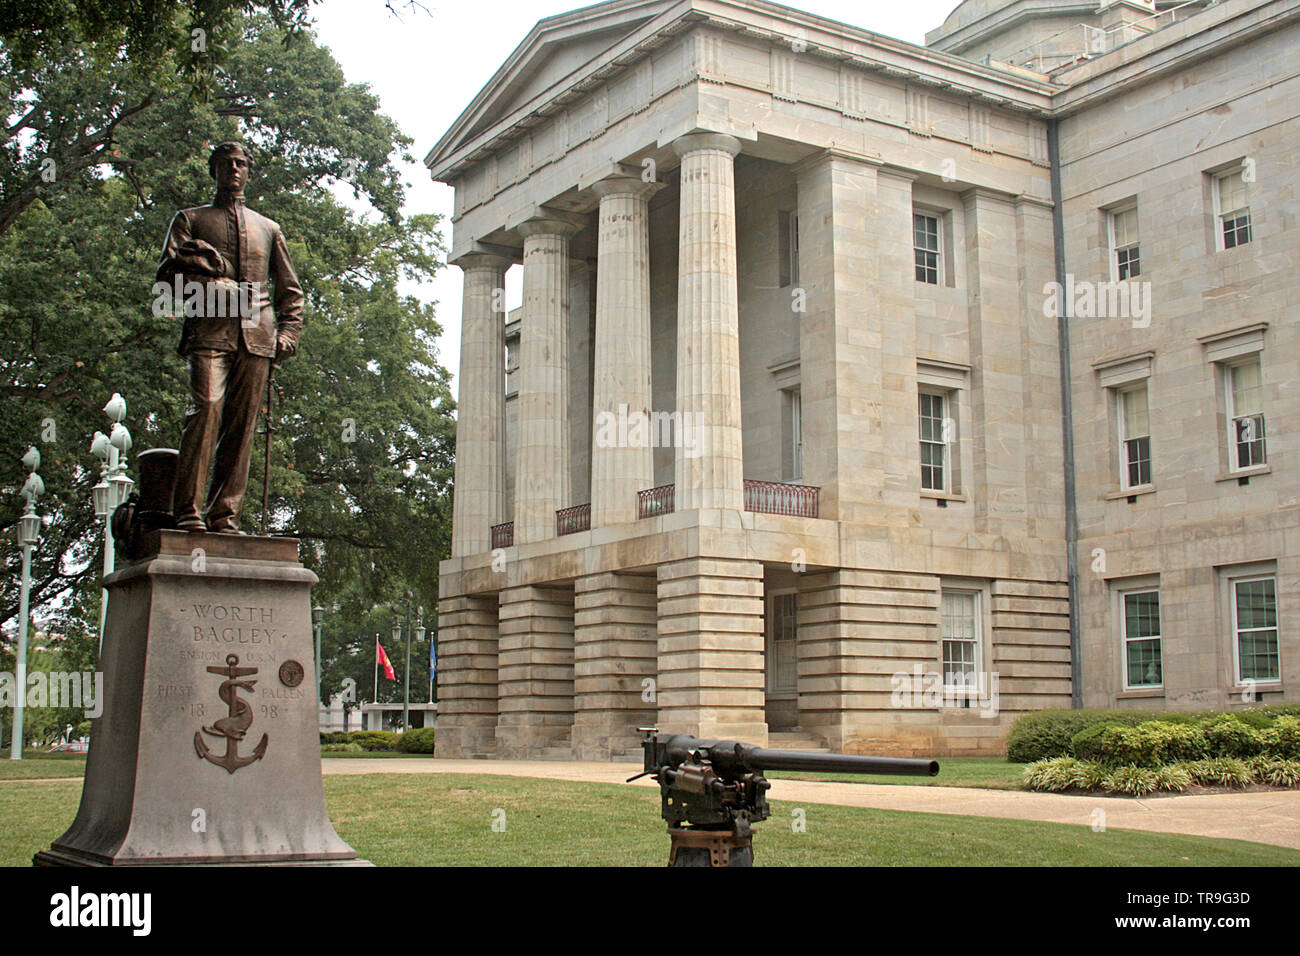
[
  {"x": 615, "y": 653},
  {"x": 467, "y": 675},
  {"x": 710, "y": 472},
  {"x": 621, "y": 465},
  {"x": 535, "y": 671},
  {"x": 711, "y": 680},
  {"x": 857, "y": 338},
  {"x": 479, "y": 500},
  {"x": 542, "y": 468}
]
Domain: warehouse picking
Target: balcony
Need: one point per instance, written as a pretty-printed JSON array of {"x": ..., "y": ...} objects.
[
  {"x": 503, "y": 535},
  {"x": 781, "y": 498},
  {"x": 654, "y": 502},
  {"x": 766, "y": 497},
  {"x": 572, "y": 520}
]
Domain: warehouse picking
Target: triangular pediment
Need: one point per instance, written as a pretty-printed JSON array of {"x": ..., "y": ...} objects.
[{"x": 554, "y": 51}]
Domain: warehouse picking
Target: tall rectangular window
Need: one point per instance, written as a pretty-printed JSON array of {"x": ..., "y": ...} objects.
[
  {"x": 1126, "y": 261},
  {"x": 787, "y": 230},
  {"x": 1245, "y": 415},
  {"x": 1232, "y": 209},
  {"x": 1142, "y": 654},
  {"x": 791, "y": 435},
  {"x": 959, "y": 611},
  {"x": 927, "y": 248},
  {"x": 1135, "y": 437},
  {"x": 1254, "y": 626},
  {"x": 934, "y": 464}
]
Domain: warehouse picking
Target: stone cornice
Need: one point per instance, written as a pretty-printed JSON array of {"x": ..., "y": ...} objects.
[{"x": 820, "y": 37}]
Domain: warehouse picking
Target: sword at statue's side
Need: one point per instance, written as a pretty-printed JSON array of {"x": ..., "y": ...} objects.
[{"x": 266, "y": 467}]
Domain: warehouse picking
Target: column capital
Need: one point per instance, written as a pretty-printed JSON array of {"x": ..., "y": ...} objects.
[
  {"x": 625, "y": 184},
  {"x": 548, "y": 223},
  {"x": 694, "y": 142},
  {"x": 473, "y": 261}
]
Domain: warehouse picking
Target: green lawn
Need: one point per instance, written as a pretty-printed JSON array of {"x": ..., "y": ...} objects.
[
  {"x": 989, "y": 773},
  {"x": 402, "y": 820}
]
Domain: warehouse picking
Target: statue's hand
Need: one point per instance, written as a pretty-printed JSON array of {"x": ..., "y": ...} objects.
[{"x": 285, "y": 347}]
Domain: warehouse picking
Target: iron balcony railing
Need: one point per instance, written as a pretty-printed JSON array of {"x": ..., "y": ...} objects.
[
  {"x": 781, "y": 498},
  {"x": 654, "y": 502},
  {"x": 572, "y": 520},
  {"x": 503, "y": 535}
]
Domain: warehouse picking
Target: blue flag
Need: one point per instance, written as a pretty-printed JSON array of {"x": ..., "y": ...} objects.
[{"x": 433, "y": 660}]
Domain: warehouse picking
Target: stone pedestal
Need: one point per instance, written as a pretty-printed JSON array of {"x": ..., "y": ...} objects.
[
  {"x": 615, "y": 651},
  {"x": 711, "y": 681},
  {"x": 207, "y": 751},
  {"x": 535, "y": 672}
]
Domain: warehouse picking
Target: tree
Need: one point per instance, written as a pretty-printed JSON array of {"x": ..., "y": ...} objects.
[{"x": 369, "y": 498}]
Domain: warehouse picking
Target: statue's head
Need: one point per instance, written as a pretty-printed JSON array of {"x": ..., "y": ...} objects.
[{"x": 230, "y": 164}]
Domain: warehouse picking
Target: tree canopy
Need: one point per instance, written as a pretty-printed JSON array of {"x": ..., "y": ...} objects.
[{"x": 362, "y": 456}]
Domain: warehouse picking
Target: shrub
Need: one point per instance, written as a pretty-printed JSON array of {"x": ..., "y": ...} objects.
[
  {"x": 1090, "y": 775},
  {"x": 333, "y": 737},
  {"x": 418, "y": 741},
  {"x": 1133, "y": 780},
  {"x": 1173, "y": 777},
  {"x": 342, "y": 748},
  {"x": 1227, "y": 735},
  {"x": 374, "y": 739},
  {"x": 1282, "y": 739},
  {"x": 1054, "y": 774},
  {"x": 1220, "y": 772},
  {"x": 1095, "y": 742},
  {"x": 1042, "y": 734},
  {"x": 1276, "y": 772}
]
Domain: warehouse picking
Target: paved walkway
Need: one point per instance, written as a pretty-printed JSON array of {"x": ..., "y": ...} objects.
[{"x": 1272, "y": 817}]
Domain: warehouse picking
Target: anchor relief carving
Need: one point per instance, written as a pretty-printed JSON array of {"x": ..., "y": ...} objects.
[{"x": 239, "y": 718}]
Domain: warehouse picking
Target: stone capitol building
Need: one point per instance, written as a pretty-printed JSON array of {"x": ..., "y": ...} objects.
[{"x": 866, "y": 395}]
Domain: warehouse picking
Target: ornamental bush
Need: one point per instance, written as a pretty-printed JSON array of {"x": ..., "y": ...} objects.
[
  {"x": 419, "y": 741},
  {"x": 374, "y": 739}
]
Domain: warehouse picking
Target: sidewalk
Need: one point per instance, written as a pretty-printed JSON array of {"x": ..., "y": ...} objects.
[{"x": 1272, "y": 817}]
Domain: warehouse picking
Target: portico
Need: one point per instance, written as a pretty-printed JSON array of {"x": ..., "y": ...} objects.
[{"x": 746, "y": 273}]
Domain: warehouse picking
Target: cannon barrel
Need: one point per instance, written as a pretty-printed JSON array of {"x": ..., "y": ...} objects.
[{"x": 759, "y": 758}]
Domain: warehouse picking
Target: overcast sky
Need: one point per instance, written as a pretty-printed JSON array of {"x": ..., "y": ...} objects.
[{"x": 426, "y": 67}]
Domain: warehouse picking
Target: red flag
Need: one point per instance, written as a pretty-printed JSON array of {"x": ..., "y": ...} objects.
[{"x": 384, "y": 661}]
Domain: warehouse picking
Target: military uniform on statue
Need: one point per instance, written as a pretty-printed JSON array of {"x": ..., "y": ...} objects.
[{"x": 230, "y": 350}]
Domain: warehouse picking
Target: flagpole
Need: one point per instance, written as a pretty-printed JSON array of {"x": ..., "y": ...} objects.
[{"x": 375, "y": 697}]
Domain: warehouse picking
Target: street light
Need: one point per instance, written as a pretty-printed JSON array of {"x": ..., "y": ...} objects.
[
  {"x": 114, "y": 487},
  {"x": 29, "y": 529},
  {"x": 317, "y": 619}
]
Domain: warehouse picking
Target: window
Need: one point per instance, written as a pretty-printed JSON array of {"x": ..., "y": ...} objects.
[
  {"x": 1232, "y": 209},
  {"x": 1143, "y": 667},
  {"x": 1254, "y": 627},
  {"x": 782, "y": 663},
  {"x": 787, "y": 230},
  {"x": 1134, "y": 437},
  {"x": 936, "y": 431},
  {"x": 927, "y": 247},
  {"x": 1126, "y": 263},
  {"x": 960, "y": 628},
  {"x": 1245, "y": 415},
  {"x": 792, "y": 434}
]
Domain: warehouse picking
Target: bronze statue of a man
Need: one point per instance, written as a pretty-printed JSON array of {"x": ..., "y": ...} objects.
[{"x": 229, "y": 339}]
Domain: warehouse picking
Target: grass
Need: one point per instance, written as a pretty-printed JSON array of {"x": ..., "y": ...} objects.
[
  {"x": 989, "y": 773},
  {"x": 445, "y": 819},
  {"x": 36, "y": 764}
]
